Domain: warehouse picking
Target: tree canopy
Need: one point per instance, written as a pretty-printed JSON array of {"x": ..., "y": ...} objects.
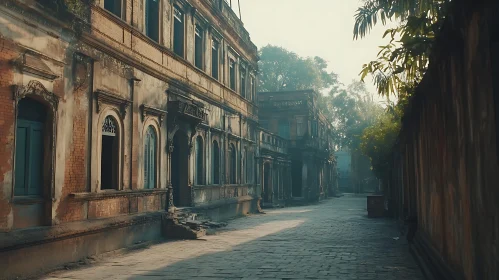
[{"x": 282, "y": 70}]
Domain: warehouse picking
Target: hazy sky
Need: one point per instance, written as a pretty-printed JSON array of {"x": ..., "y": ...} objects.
[{"x": 313, "y": 28}]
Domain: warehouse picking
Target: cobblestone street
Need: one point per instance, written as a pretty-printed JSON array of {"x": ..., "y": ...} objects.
[{"x": 331, "y": 240}]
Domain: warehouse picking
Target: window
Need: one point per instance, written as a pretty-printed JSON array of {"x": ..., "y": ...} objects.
[
  {"x": 253, "y": 88},
  {"x": 150, "y": 158},
  {"x": 216, "y": 163},
  {"x": 198, "y": 45},
  {"x": 109, "y": 154},
  {"x": 284, "y": 128},
  {"x": 178, "y": 32},
  {"x": 232, "y": 163},
  {"x": 214, "y": 58},
  {"x": 114, "y": 6},
  {"x": 29, "y": 148},
  {"x": 248, "y": 165},
  {"x": 152, "y": 19},
  {"x": 314, "y": 128},
  {"x": 232, "y": 74},
  {"x": 199, "y": 161},
  {"x": 300, "y": 127},
  {"x": 243, "y": 82}
]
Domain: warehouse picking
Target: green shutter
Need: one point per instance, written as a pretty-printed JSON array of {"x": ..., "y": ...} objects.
[
  {"x": 150, "y": 159},
  {"x": 29, "y": 158}
]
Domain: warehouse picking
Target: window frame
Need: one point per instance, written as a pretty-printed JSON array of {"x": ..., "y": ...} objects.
[
  {"x": 146, "y": 24},
  {"x": 199, "y": 33},
  {"x": 215, "y": 42},
  {"x": 122, "y": 9},
  {"x": 155, "y": 130},
  {"x": 182, "y": 20},
  {"x": 200, "y": 174}
]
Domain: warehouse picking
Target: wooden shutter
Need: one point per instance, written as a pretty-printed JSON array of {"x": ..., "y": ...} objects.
[{"x": 29, "y": 158}]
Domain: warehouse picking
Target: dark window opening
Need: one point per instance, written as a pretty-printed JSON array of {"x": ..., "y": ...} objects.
[
  {"x": 253, "y": 89},
  {"x": 314, "y": 128},
  {"x": 232, "y": 164},
  {"x": 214, "y": 59},
  {"x": 150, "y": 169},
  {"x": 284, "y": 128},
  {"x": 109, "y": 155},
  {"x": 243, "y": 83},
  {"x": 216, "y": 163},
  {"x": 152, "y": 19},
  {"x": 30, "y": 148},
  {"x": 232, "y": 74},
  {"x": 114, "y": 6},
  {"x": 494, "y": 53},
  {"x": 199, "y": 161},
  {"x": 178, "y": 32},
  {"x": 198, "y": 45}
]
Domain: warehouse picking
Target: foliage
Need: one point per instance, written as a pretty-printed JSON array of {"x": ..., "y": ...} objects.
[
  {"x": 401, "y": 64},
  {"x": 351, "y": 110},
  {"x": 281, "y": 70}
]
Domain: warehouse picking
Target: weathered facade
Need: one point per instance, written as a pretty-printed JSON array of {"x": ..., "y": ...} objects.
[
  {"x": 295, "y": 117},
  {"x": 112, "y": 115},
  {"x": 446, "y": 165}
]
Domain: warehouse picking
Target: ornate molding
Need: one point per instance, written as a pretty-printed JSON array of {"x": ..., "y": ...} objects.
[
  {"x": 36, "y": 88},
  {"x": 148, "y": 110},
  {"x": 29, "y": 62},
  {"x": 112, "y": 99}
]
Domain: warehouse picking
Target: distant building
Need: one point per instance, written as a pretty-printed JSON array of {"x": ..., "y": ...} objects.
[{"x": 294, "y": 117}]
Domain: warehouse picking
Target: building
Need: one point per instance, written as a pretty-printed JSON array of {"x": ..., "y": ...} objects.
[
  {"x": 115, "y": 113},
  {"x": 294, "y": 116}
]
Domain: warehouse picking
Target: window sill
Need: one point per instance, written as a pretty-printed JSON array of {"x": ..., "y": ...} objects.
[{"x": 89, "y": 196}]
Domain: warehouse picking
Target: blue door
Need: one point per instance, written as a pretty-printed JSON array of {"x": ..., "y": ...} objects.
[{"x": 29, "y": 158}]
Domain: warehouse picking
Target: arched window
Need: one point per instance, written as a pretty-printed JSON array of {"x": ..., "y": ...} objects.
[
  {"x": 232, "y": 163},
  {"x": 199, "y": 161},
  {"x": 216, "y": 163},
  {"x": 249, "y": 165},
  {"x": 150, "y": 158},
  {"x": 29, "y": 148},
  {"x": 109, "y": 154}
]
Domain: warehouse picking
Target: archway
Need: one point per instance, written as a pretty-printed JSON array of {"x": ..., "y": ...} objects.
[
  {"x": 267, "y": 183},
  {"x": 180, "y": 165}
]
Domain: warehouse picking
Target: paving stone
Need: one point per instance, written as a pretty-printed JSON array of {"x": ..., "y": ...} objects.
[{"x": 331, "y": 240}]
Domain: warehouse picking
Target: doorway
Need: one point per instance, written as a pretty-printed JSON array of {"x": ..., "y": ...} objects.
[
  {"x": 296, "y": 167},
  {"x": 267, "y": 183},
  {"x": 180, "y": 165}
]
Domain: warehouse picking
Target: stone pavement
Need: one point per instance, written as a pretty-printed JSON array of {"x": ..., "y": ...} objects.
[{"x": 330, "y": 240}]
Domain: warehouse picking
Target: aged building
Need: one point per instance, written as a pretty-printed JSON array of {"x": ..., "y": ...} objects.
[
  {"x": 294, "y": 116},
  {"x": 114, "y": 113}
]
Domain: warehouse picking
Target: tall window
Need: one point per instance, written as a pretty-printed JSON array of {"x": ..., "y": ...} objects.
[
  {"x": 284, "y": 128},
  {"x": 199, "y": 161},
  {"x": 216, "y": 163},
  {"x": 150, "y": 158},
  {"x": 214, "y": 58},
  {"x": 253, "y": 88},
  {"x": 314, "y": 128},
  {"x": 232, "y": 163},
  {"x": 232, "y": 74},
  {"x": 109, "y": 154},
  {"x": 243, "y": 82},
  {"x": 178, "y": 32},
  {"x": 114, "y": 6},
  {"x": 198, "y": 46},
  {"x": 300, "y": 126},
  {"x": 248, "y": 165},
  {"x": 29, "y": 148},
  {"x": 152, "y": 19}
]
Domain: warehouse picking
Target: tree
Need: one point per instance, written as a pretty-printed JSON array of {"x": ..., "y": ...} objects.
[
  {"x": 351, "y": 110},
  {"x": 401, "y": 64},
  {"x": 281, "y": 70}
]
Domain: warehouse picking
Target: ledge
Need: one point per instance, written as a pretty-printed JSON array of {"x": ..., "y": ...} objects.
[
  {"x": 89, "y": 196},
  {"x": 17, "y": 239},
  {"x": 223, "y": 202}
]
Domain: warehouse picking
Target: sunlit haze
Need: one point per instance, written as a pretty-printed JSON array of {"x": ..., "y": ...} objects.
[{"x": 315, "y": 28}]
